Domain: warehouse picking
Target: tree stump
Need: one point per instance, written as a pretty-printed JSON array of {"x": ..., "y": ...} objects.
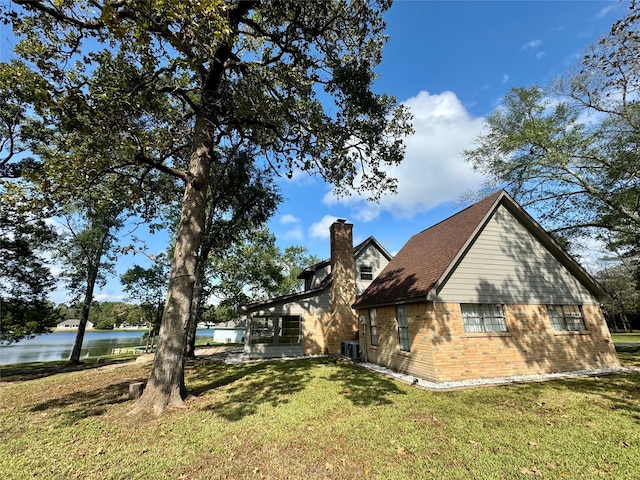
[{"x": 135, "y": 390}]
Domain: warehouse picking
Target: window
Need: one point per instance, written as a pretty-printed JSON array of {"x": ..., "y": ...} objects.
[
  {"x": 283, "y": 330},
  {"x": 262, "y": 330},
  {"x": 403, "y": 328},
  {"x": 566, "y": 317},
  {"x": 289, "y": 330},
  {"x": 483, "y": 317},
  {"x": 366, "y": 273},
  {"x": 373, "y": 326}
]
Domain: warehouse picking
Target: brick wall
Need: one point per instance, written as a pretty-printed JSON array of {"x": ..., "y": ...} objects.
[
  {"x": 343, "y": 324},
  {"x": 442, "y": 351},
  {"x": 315, "y": 326}
]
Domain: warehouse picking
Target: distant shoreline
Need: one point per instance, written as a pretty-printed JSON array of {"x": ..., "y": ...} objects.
[{"x": 75, "y": 329}]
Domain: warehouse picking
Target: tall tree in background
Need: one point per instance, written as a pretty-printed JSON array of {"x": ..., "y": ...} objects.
[
  {"x": 293, "y": 260},
  {"x": 618, "y": 279},
  {"x": 240, "y": 199},
  {"x": 149, "y": 286},
  {"x": 24, "y": 274},
  {"x": 85, "y": 256},
  {"x": 25, "y": 237},
  {"x": 572, "y": 152},
  {"x": 256, "y": 270},
  {"x": 290, "y": 81}
]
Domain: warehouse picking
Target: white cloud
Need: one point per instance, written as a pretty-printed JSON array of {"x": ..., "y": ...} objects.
[
  {"x": 288, "y": 219},
  {"x": 321, "y": 229},
  {"x": 505, "y": 78},
  {"x": 433, "y": 171},
  {"x": 108, "y": 295},
  {"x": 294, "y": 234},
  {"x": 295, "y": 230},
  {"x": 539, "y": 55},
  {"x": 605, "y": 11},
  {"x": 533, "y": 44}
]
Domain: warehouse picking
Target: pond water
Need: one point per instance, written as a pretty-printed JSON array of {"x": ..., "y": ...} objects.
[{"x": 58, "y": 345}]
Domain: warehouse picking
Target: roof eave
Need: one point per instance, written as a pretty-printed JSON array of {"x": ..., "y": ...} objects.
[
  {"x": 252, "y": 307},
  {"x": 390, "y": 303}
]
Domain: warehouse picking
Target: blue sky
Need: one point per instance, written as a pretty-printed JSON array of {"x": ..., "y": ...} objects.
[{"x": 451, "y": 62}]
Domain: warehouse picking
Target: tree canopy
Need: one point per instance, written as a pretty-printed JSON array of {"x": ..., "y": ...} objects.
[
  {"x": 173, "y": 85},
  {"x": 24, "y": 274},
  {"x": 571, "y": 151},
  {"x": 257, "y": 269}
]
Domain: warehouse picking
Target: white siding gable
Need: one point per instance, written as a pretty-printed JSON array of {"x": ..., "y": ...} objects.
[
  {"x": 507, "y": 264},
  {"x": 318, "y": 276},
  {"x": 370, "y": 256}
]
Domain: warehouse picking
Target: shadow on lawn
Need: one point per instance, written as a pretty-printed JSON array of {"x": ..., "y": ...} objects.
[
  {"x": 263, "y": 383},
  {"x": 274, "y": 382},
  {"x": 75, "y": 406},
  {"x": 617, "y": 392},
  {"x": 620, "y": 391},
  {"x": 363, "y": 387},
  {"x": 33, "y": 371}
]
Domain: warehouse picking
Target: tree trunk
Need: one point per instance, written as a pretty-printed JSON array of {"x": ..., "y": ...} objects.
[
  {"x": 190, "y": 351},
  {"x": 166, "y": 380},
  {"x": 84, "y": 318},
  {"x": 201, "y": 267}
]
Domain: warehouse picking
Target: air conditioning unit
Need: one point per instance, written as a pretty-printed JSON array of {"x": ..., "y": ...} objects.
[{"x": 350, "y": 349}]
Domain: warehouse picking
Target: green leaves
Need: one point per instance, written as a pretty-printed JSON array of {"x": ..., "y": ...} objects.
[
  {"x": 143, "y": 94},
  {"x": 24, "y": 274},
  {"x": 257, "y": 270},
  {"x": 570, "y": 152}
]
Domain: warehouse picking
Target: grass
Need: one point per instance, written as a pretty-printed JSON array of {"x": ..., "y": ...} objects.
[
  {"x": 629, "y": 356},
  {"x": 626, "y": 338},
  {"x": 316, "y": 419}
]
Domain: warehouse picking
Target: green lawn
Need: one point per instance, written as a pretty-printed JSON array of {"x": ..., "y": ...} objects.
[
  {"x": 626, "y": 338},
  {"x": 316, "y": 419}
]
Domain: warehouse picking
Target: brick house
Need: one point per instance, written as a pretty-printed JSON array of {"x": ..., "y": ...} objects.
[
  {"x": 317, "y": 320},
  {"x": 484, "y": 293}
]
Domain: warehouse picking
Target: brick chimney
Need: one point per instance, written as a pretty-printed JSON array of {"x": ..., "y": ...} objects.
[{"x": 343, "y": 325}]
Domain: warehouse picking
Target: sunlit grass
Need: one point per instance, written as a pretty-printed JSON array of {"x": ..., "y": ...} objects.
[
  {"x": 629, "y": 356},
  {"x": 626, "y": 338},
  {"x": 317, "y": 419}
]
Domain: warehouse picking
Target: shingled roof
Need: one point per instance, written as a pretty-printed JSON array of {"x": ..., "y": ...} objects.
[{"x": 421, "y": 267}]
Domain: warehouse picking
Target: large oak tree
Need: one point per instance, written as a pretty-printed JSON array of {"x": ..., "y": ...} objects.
[{"x": 289, "y": 81}]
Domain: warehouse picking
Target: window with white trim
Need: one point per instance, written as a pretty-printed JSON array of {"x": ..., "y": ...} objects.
[
  {"x": 366, "y": 272},
  {"x": 373, "y": 326},
  {"x": 566, "y": 318},
  {"x": 483, "y": 318},
  {"x": 403, "y": 328}
]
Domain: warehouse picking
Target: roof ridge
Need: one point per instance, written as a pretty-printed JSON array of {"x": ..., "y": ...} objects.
[{"x": 426, "y": 257}]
